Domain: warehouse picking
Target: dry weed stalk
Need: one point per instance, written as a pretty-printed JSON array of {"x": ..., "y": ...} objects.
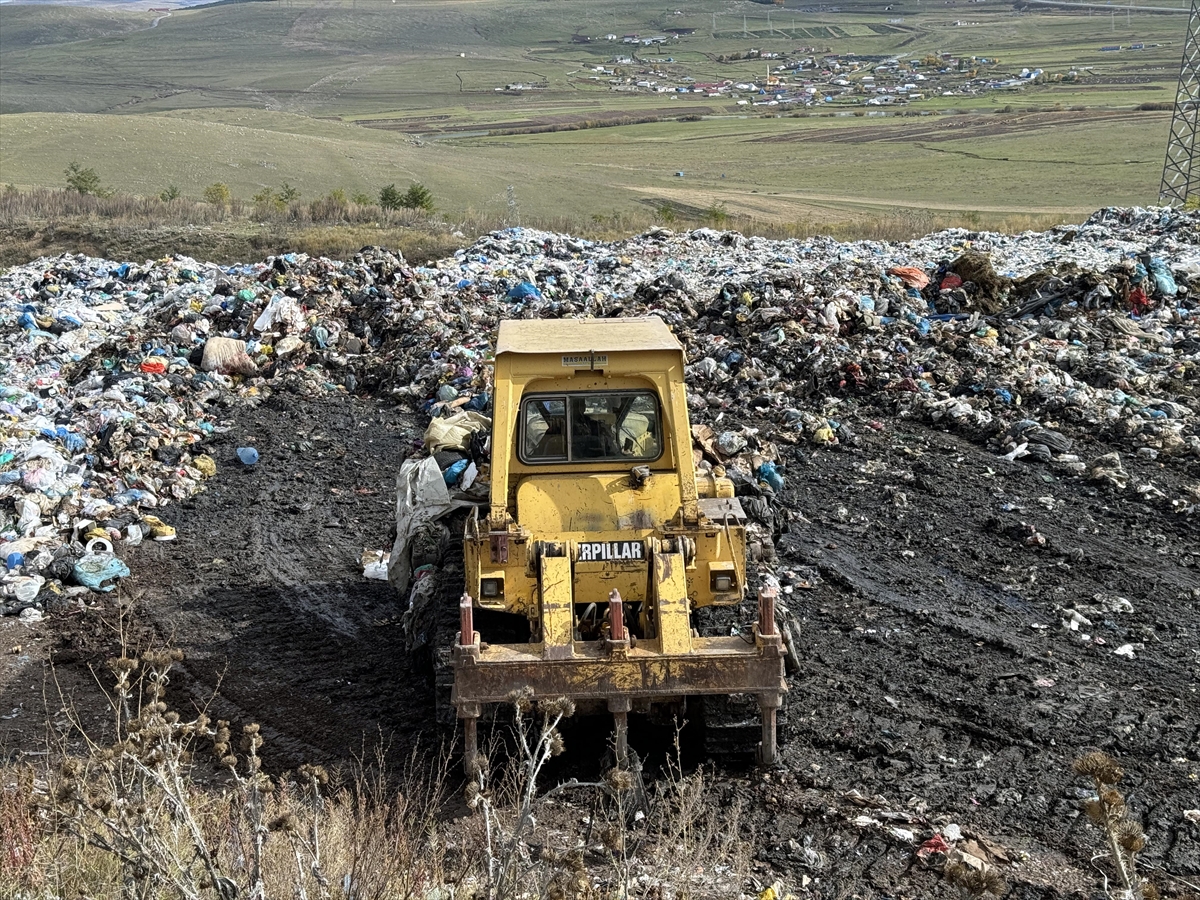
[
  {"x": 974, "y": 882},
  {"x": 691, "y": 833},
  {"x": 128, "y": 818},
  {"x": 1124, "y": 836},
  {"x": 131, "y": 817},
  {"x": 507, "y": 825},
  {"x": 673, "y": 833}
]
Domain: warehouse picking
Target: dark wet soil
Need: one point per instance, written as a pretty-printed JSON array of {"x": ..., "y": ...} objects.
[{"x": 938, "y": 686}]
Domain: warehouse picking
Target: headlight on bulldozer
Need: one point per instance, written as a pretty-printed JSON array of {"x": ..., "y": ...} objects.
[
  {"x": 722, "y": 582},
  {"x": 491, "y": 588}
]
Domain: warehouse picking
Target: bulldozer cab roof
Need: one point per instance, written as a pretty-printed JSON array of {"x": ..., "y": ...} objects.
[{"x": 580, "y": 336}]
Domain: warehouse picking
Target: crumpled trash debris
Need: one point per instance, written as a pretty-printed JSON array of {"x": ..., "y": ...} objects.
[
  {"x": 775, "y": 892},
  {"x": 227, "y": 356},
  {"x": 1108, "y": 468},
  {"x": 99, "y": 571},
  {"x": 911, "y": 276},
  {"x": 375, "y": 564},
  {"x": 421, "y": 497},
  {"x": 454, "y": 432},
  {"x": 795, "y": 342}
]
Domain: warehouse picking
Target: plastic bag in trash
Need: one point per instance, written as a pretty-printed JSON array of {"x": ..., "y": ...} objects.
[
  {"x": 524, "y": 291},
  {"x": 227, "y": 356},
  {"x": 455, "y": 471},
  {"x": 1163, "y": 279},
  {"x": 23, "y": 588},
  {"x": 375, "y": 564},
  {"x": 454, "y": 433},
  {"x": 731, "y": 443},
  {"x": 768, "y": 473},
  {"x": 70, "y": 440},
  {"x": 99, "y": 570}
]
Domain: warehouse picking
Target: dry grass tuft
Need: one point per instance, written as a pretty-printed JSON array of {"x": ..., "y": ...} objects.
[{"x": 175, "y": 807}]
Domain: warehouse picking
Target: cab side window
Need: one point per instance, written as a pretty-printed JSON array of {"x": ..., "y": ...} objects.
[{"x": 545, "y": 429}]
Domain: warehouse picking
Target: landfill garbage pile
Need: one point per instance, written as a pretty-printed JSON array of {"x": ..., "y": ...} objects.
[{"x": 1040, "y": 344}]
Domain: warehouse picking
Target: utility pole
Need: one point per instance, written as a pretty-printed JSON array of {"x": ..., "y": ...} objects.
[
  {"x": 1179, "y": 177},
  {"x": 714, "y": 24},
  {"x": 744, "y": 32}
]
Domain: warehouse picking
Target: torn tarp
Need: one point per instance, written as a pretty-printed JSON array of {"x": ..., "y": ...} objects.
[{"x": 422, "y": 496}]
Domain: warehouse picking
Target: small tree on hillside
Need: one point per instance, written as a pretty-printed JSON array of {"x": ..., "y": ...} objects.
[
  {"x": 217, "y": 194},
  {"x": 417, "y": 197},
  {"x": 83, "y": 181},
  {"x": 389, "y": 197},
  {"x": 169, "y": 193}
]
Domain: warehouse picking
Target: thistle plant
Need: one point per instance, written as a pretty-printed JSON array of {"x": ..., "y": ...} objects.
[
  {"x": 1124, "y": 835},
  {"x": 508, "y": 865},
  {"x": 972, "y": 882}
]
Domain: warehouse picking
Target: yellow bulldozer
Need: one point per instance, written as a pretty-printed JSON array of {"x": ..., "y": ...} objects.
[{"x": 599, "y": 533}]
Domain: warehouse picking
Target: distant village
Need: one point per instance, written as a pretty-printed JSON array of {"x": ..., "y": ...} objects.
[{"x": 804, "y": 77}]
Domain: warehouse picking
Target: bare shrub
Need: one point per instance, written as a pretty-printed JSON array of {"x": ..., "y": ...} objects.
[
  {"x": 668, "y": 838},
  {"x": 133, "y": 817}
]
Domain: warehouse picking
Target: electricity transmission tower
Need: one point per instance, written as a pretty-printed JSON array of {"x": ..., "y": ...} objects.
[{"x": 1179, "y": 178}]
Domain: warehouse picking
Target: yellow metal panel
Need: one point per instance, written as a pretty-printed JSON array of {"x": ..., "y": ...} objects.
[
  {"x": 671, "y": 604},
  {"x": 593, "y": 581},
  {"x": 553, "y": 504},
  {"x": 575, "y": 336},
  {"x": 504, "y": 420},
  {"x": 682, "y": 438},
  {"x": 558, "y": 614}
]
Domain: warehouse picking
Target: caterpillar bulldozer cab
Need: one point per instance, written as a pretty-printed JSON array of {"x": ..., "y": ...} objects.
[{"x": 600, "y": 534}]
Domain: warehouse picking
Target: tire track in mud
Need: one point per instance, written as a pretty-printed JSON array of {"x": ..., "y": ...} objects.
[
  {"x": 924, "y": 679},
  {"x": 263, "y": 588}
]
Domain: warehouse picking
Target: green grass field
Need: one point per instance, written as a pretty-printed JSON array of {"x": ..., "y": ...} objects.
[{"x": 357, "y": 94}]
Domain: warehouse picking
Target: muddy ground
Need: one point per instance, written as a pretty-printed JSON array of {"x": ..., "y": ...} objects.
[{"x": 938, "y": 685}]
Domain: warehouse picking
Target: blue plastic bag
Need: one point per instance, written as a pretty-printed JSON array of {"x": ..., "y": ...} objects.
[
  {"x": 248, "y": 455},
  {"x": 524, "y": 291},
  {"x": 132, "y": 497},
  {"x": 1163, "y": 279},
  {"x": 768, "y": 473},
  {"x": 69, "y": 439},
  {"x": 92, "y": 570},
  {"x": 455, "y": 472}
]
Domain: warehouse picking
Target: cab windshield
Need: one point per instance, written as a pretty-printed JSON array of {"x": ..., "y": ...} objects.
[{"x": 596, "y": 426}]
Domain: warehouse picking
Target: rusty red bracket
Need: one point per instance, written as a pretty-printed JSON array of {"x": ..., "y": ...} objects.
[
  {"x": 466, "y": 617},
  {"x": 766, "y": 610},
  {"x": 616, "y": 616}
]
